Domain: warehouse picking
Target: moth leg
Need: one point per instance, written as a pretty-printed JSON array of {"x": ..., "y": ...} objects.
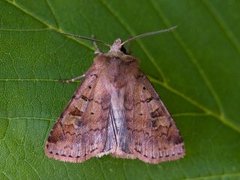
[
  {"x": 73, "y": 79},
  {"x": 97, "y": 50}
]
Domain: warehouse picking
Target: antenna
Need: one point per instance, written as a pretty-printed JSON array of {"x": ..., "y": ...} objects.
[
  {"x": 87, "y": 38},
  {"x": 148, "y": 34}
]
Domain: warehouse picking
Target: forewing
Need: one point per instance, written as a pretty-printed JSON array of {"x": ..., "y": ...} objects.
[
  {"x": 152, "y": 134},
  {"x": 80, "y": 132}
]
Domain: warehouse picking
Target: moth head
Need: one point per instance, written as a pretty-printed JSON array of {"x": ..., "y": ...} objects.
[{"x": 118, "y": 47}]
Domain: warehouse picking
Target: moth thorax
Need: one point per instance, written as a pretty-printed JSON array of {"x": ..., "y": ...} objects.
[{"x": 116, "y": 46}]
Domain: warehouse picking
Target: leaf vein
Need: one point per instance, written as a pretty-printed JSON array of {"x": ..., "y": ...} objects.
[
  {"x": 223, "y": 119},
  {"x": 25, "y": 30},
  {"x": 28, "y": 117},
  {"x": 53, "y": 13},
  {"x": 224, "y": 27},
  {"x": 193, "y": 59},
  {"x": 46, "y": 24},
  {"x": 33, "y": 168},
  {"x": 218, "y": 176}
]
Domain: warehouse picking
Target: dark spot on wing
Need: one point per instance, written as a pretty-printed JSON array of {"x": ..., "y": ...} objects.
[{"x": 76, "y": 112}]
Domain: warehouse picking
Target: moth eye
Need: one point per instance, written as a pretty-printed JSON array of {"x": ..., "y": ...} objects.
[
  {"x": 90, "y": 87},
  {"x": 124, "y": 50},
  {"x": 144, "y": 88},
  {"x": 92, "y": 113},
  {"x": 140, "y": 114}
]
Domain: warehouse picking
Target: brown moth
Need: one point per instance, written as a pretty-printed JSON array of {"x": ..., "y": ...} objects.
[{"x": 115, "y": 111}]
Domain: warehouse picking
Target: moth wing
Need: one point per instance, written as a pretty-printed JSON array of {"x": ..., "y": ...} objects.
[
  {"x": 152, "y": 134},
  {"x": 80, "y": 132}
]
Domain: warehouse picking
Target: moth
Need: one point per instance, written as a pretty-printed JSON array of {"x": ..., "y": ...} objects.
[{"x": 115, "y": 111}]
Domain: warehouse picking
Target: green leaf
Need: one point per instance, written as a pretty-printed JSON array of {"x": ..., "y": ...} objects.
[{"x": 195, "y": 69}]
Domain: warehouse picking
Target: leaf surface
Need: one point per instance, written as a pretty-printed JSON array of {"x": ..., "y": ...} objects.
[{"x": 195, "y": 70}]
